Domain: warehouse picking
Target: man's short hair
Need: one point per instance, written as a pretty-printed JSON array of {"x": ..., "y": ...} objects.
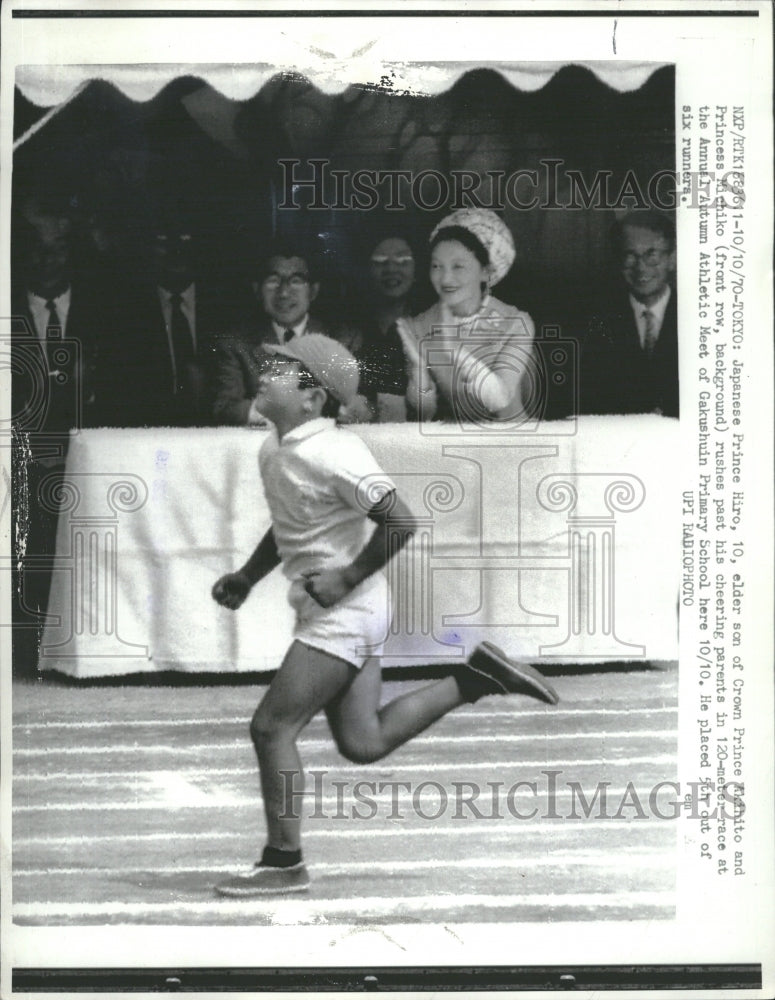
[
  {"x": 30, "y": 209},
  {"x": 287, "y": 249},
  {"x": 643, "y": 218}
]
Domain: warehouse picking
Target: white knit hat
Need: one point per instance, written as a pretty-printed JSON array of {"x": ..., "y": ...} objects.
[
  {"x": 494, "y": 235},
  {"x": 332, "y": 365}
]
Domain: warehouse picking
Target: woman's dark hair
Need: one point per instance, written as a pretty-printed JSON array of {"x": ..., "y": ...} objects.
[
  {"x": 370, "y": 244},
  {"x": 459, "y": 234}
]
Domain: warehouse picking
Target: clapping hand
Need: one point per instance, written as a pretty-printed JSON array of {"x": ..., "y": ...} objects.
[
  {"x": 231, "y": 590},
  {"x": 409, "y": 341},
  {"x": 358, "y": 411}
]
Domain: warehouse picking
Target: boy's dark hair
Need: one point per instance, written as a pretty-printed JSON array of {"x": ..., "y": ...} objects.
[{"x": 308, "y": 381}]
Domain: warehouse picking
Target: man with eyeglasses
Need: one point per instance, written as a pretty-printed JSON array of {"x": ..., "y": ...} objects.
[
  {"x": 285, "y": 287},
  {"x": 630, "y": 354}
]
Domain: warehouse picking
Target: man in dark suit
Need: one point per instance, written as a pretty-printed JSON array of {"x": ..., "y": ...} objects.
[
  {"x": 629, "y": 357},
  {"x": 58, "y": 321},
  {"x": 162, "y": 335},
  {"x": 285, "y": 287}
]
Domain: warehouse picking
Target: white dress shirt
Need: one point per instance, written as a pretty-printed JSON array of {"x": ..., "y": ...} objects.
[
  {"x": 40, "y": 314},
  {"x": 187, "y": 307}
]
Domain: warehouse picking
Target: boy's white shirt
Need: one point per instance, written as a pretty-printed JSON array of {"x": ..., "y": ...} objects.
[{"x": 320, "y": 481}]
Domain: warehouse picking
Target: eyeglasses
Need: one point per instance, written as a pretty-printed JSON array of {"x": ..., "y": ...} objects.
[
  {"x": 275, "y": 281},
  {"x": 162, "y": 239},
  {"x": 402, "y": 261},
  {"x": 650, "y": 258}
]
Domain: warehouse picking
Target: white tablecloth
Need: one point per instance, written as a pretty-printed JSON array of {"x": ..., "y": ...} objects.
[{"x": 561, "y": 544}]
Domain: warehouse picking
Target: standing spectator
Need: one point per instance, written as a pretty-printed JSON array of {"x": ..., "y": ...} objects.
[
  {"x": 467, "y": 354},
  {"x": 61, "y": 314},
  {"x": 162, "y": 335},
  {"x": 630, "y": 352},
  {"x": 57, "y": 324}
]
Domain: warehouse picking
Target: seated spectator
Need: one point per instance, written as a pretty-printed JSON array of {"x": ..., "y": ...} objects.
[
  {"x": 376, "y": 344},
  {"x": 468, "y": 352},
  {"x": 162, "y": 334},
  {"x": 285, "y": 288},
  {"x": 629, "y": 357}
]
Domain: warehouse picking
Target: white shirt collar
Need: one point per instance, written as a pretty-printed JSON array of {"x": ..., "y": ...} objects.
[
  {"x": 62, "y": 298},
  {"x": 39, "y": 310},
  {"x": 187, "y": 296},
  {"x": 656, "y": 308},
  {"x": 298, "y": 330},
  {"x": 308, "y": 429}
]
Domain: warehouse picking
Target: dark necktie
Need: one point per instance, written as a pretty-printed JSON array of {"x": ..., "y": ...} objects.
[
  {"x": 54, "y": 324},
  {"x": 54, "y": 357},
  {"x": 288, "y": 335},
  {"x": 650, "y": 333},
  {"x": 182, "y": 343}
]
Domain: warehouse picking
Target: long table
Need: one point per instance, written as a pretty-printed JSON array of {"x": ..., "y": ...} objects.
[{"x": 562, "y": 544}]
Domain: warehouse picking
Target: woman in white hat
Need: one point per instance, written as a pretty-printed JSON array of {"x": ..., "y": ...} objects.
[{"x": 467, "y": 354}]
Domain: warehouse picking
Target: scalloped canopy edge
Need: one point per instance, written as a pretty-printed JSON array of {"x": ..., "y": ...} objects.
[{"x": 49, "y": 86}]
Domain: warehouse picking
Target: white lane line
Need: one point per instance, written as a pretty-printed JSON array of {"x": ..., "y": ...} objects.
[
  {"x": 189, "y": 748},
  {"x": 244, "y": 720},
  {"x": 295, "y": 911},
  {"x": 176, "y": 790},
  {"x": 132, "y": 778},
  {"x": 507, "y": 827},
  {"x": 599, "y": 859},
  {"x": 221, "y": 800}
]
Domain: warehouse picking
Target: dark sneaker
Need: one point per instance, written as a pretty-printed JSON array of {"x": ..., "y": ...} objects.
[
  {"x": 492, "y": 672},
  {"x": 266, "y": 880}
]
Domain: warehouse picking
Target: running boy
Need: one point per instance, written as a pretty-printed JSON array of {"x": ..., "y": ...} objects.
[{"x": 332, "y": 542}]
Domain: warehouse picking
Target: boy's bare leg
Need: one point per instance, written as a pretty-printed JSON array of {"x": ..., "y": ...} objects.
[
  {"x": 365, "y": 732},
  {"x": 307, "y": 680}
]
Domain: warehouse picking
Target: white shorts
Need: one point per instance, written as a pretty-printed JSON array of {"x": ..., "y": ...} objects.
[{"x": 352, "y": 630}]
